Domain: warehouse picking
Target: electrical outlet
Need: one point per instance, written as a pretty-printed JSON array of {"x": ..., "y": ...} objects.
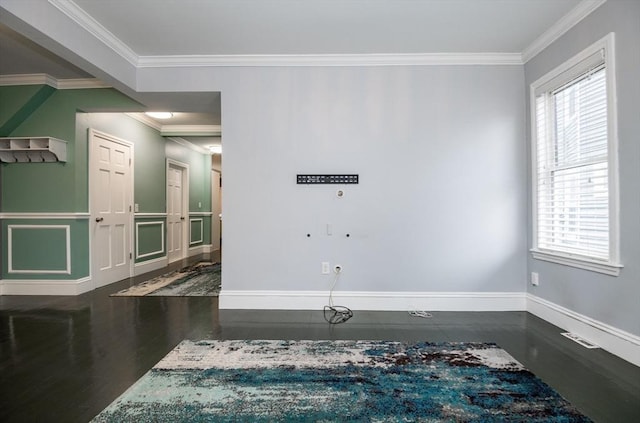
[
  {"x": 326, "y": 268},
  {"x": 337, "y": 268},
  {"x": 535, "y": 279}
]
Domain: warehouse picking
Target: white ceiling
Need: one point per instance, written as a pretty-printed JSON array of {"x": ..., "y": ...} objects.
[
  {"x": 159, "y": 31},
  {"x": 232, "y": 27}
]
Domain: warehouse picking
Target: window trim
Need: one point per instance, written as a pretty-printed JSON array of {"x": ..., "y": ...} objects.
[{"x": 611, "y": 266}]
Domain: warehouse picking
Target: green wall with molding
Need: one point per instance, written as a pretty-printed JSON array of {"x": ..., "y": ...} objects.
[{"x": 31, "y": 192}]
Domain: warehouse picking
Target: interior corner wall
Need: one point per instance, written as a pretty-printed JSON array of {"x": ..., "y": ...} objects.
[
  {"x": 609, "y": 300},
  {"x": 442, "y": 200}
]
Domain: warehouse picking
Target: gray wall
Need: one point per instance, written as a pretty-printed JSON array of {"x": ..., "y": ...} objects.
[
  {"x": 612, "y": 300},
  {"x": 441, "y": 204}
]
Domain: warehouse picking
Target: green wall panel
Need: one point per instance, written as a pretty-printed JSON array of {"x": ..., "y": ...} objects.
[
  {"x": 36, "y": 246},
  {"x": 150, "y": 239},
  {"x": 39, "y": 248},
  {"x": 196, "y": 232}
]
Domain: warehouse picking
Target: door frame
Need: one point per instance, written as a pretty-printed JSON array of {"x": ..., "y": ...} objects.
[
  {"x": 92, "y": 134},
  {"x": 186, "y": 223},
  {"x": 216, "y": 215}
]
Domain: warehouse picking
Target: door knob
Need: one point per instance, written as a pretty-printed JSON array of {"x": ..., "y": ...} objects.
[{"x": 99, "y": 219}]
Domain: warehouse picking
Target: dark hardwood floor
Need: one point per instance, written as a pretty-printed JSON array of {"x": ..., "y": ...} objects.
[{"x": 64, "y": 359}]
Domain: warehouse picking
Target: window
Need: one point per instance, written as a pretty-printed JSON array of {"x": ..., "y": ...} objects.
[{"x": 575, "y": 192}]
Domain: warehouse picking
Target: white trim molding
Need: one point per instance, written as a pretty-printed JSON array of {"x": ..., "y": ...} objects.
[
  {"x": 149, "y": 215},
  {"x": 162, "y": 242},
  {"x": 44, "y": 79},
  {"x": 568, "y": 21},
  {"x": 408, "y": 59},
  {"x": 197, "y": 241},
  {"x": 200, "y": 249},
  {"x": 150, "y": 265},
  {"x": 45, "y": 286},
  {"x": 192, "y": 146},
  {"x": 95, "y": 28},
  {"x": 611, "y": 269},
  {"x": 45, "y": 216},
  {"x": 67, "y": 233},
  {"x": 191, "y": 130},
  {"x": 179, "y": 130},
  {"x": 619, "y": 342},
  {"x": 379, "y": 301}
]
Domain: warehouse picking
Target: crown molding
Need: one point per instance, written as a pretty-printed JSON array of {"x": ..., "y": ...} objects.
[
  {"x": 422, "y": 59},
  {"x": 192, "y": 146},
  {"x": 88, "y": 23},
  {"x": 568, "y": 21},
  {"x": 80, "y": 83},
  {"x": 191, "y": 130},
  {"x": 178, "y": 130},
  {"x": 44, "y": 79},
  {"x": 142, "y": 118}
]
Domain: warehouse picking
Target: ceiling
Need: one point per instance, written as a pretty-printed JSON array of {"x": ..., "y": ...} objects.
[
  {"x": 265, "y": 27},
  {"x": 148, "y": 30}
]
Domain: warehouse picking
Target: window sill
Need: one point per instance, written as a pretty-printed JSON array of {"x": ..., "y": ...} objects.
[{"x": 608, "y": 268}]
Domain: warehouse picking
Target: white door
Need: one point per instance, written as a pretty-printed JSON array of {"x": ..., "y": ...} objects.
[
  {"x": 176, "y": 212},
  {"x": 111, "y": 194}
]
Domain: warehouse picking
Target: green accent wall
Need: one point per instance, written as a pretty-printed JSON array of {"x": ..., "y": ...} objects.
[
  {"x": 56, "y": 187},
  {"x": 40, "y": 248},
  {"x": 63, "y": 187},
  {"x": 17, "y": 103}
]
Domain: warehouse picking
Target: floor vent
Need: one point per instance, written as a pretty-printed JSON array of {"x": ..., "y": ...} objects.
[{"x": 579, "y": 340}]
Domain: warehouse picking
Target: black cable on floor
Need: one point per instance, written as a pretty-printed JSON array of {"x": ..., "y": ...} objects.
[
  {"x": 337, "y": 314},
  {"x": 334, "y": 314}
]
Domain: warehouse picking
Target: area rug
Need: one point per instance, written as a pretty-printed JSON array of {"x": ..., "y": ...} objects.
[
  {"x": 328, "y": 381},
  {"x": 198, "y": 280}
]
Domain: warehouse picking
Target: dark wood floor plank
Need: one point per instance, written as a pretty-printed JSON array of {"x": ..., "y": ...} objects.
[{"x": 64, "y": 359}]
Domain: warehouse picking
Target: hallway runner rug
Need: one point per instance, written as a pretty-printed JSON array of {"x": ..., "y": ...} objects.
[
  {"x": 199, "y": 280},
  {"x": 335, "y": 381}
]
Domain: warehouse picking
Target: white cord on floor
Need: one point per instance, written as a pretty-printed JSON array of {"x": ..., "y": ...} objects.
[{"x": 420, "y": 313}]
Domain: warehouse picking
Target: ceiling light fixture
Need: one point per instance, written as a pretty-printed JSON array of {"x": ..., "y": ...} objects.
[
  {"x": 215, "y": 149},
  {"x": 160, "y": 115}
]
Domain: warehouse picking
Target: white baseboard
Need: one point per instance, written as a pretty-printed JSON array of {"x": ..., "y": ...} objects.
[
  {"x": 381, "y": 301},
  {"x": 150, "y": 265},
  {"x": 200, "y": 249},
  {"x": 623, "y": 344},
  {"x": 45, "y": 286}
]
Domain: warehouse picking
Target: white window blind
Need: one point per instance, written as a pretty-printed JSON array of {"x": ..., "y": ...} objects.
[{"x": 573, "y": 167}]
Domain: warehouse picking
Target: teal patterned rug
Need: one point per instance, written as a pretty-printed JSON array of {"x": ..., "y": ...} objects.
[
  {"x": 336, "y": 381},
  {"x": 198, "y": 280}
]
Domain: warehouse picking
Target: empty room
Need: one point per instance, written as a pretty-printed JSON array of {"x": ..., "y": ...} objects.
[{"x": 285, "y": 210}]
